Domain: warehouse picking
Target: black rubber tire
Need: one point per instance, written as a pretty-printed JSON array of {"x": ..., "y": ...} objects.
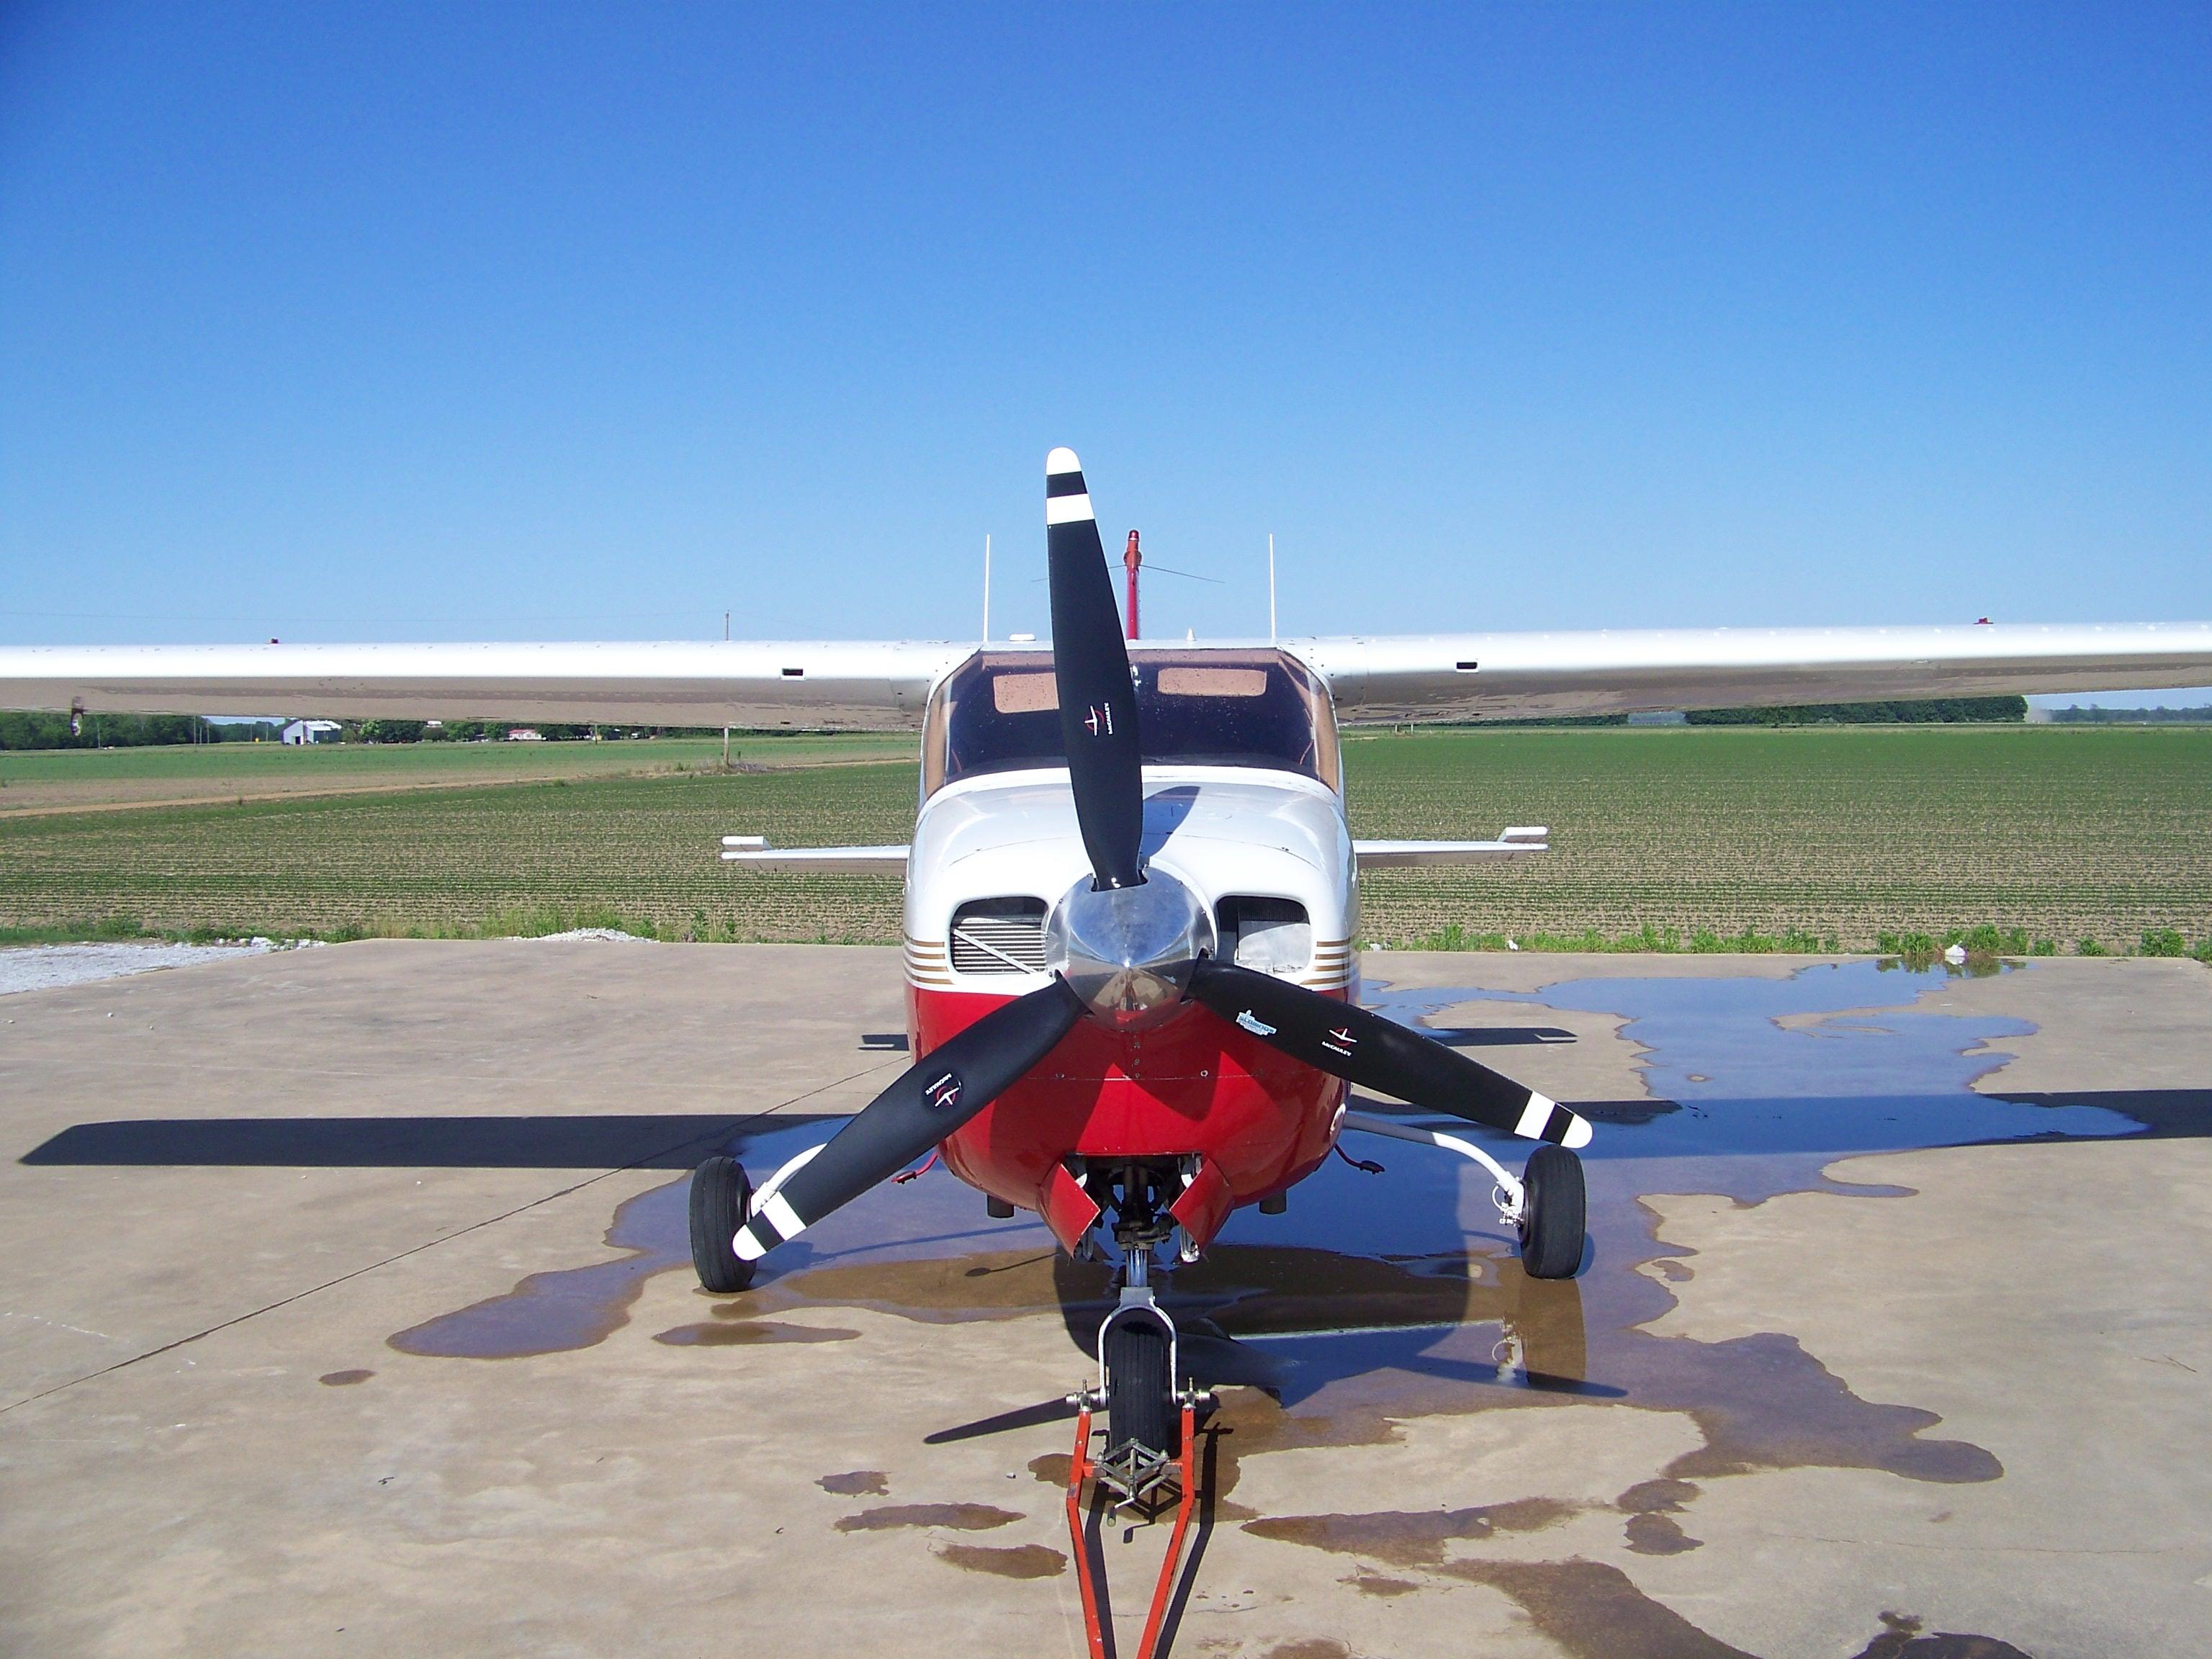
[
  {"x": 1552, "y": 1214},
  {"x": 1140, "y": 1403},
  {"x": 721, "y": 1199}
]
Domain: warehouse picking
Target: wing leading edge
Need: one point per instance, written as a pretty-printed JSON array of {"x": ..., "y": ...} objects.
[
  {"x": 886, "y": 685},
  {"x": 813, "y": 683},
  {"x": 1520, "y": 676}
]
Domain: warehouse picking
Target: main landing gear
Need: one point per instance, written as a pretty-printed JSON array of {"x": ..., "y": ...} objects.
[
  {"x": 1546, "y": 1206},
  {"x": 722, "y": 1201},
  {"x": 1552, "y": 1214}
]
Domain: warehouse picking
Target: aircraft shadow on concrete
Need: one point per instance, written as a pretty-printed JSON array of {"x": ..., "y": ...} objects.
[
  {"x": 2164, "y": 1113},
  {"x": 1391, "y": 1313},
  {"x": 661, "y": 1141},
  {"x": 674, "y": 1140}
]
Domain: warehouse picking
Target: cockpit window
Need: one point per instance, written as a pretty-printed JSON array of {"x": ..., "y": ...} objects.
[{"x": 999, "y": 711}]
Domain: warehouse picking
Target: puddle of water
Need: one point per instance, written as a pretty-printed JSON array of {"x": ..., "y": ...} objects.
[
  {"x": 747, "y": 1336},
  {"x": 1775, "y": 1078},
  {"x": 1414, "y": 1538},
  {"x": 856, "y": 1483},
  {"x": 343, "y": 1379},
  {"x": 960, "y": 1517},
  {"x": 1021, "y": 1561},
  {"x": 1659, "y": 1534},
  {"x": 1373, "y": 1300},
  {"x": 571, "y": 1307}
]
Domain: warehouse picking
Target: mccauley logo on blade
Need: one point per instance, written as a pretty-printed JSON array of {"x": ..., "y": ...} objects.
[
  {"x": 1100, "y": 720},
  {"x": 1252, "y": 1022},
  {"x": 1339, "y": 1040},
  {"x": 942, "y": 1093}
]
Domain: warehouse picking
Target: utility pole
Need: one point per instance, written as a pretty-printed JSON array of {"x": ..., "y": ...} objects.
[{"x": 725, "y": 730}]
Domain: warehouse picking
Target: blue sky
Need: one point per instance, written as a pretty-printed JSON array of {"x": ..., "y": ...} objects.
[{"x": 438, "y": 321}]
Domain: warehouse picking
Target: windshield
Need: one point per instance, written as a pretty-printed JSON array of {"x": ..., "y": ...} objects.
[{"x": 999, "y": 711}]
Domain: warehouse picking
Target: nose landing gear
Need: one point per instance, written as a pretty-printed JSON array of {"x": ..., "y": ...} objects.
[{"x": 1151, "y": 1437}]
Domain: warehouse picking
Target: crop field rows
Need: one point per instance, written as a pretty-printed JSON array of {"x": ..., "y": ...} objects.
[{"x": 1840, "y": 834}]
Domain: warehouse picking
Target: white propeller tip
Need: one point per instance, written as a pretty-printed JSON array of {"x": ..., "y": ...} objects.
[
  {"x": 1061, "y": 460},
  {"x": 1577, "y": 1135}
]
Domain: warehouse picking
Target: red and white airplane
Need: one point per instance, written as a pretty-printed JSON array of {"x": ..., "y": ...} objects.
[{"x": 1131, "y": 892}]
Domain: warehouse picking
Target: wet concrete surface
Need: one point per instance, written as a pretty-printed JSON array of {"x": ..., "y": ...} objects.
[{"x": 1892, "y": 1339}]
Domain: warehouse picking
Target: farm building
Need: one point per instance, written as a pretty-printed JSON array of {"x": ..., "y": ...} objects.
[{"x": 309, "y": 731}]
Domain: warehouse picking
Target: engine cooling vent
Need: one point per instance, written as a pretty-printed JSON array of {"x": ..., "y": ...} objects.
[{"x": 999, "y": 936}]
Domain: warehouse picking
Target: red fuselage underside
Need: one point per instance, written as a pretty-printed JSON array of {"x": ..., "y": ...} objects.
[{"x": 1195, "y": 1084}]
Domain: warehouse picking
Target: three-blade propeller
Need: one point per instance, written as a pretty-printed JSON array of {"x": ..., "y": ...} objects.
[{"x": 958, "y": 1078}]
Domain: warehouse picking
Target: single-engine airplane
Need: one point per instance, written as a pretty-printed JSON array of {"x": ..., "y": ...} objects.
[{"x": 1131, "y": 891}]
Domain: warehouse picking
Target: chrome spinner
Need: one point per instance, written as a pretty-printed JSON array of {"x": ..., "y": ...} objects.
[{"x": 1128, "y": 952}]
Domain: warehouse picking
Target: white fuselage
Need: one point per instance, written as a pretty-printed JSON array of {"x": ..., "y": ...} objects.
[{"x": 1223, "y": 831}]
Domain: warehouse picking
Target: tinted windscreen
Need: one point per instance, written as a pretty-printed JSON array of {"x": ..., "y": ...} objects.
[{"x": 1245, "y": 709}]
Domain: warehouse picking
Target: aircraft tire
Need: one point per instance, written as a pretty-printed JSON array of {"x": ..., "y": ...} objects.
[
  {"x": 721, "y": 1199},
  {"x": 1140, "y": 1403},
  {"x": 1552, "y": 1214}
]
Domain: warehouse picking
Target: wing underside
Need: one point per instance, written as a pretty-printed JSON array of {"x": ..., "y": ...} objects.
[
  {"x": 1523, "y": 676},
  {"x": 813, "y": 684}
]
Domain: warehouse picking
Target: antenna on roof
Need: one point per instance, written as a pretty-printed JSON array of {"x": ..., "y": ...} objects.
[
  {"x": 1271, "y": 588},
  {"x": 986, "y": 589}
]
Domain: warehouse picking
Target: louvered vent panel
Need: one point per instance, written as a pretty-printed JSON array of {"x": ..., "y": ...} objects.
[{"x": 999, "y": 936}]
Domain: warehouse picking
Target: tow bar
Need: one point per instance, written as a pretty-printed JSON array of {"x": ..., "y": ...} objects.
[{"x": 1134, "y": 1479}]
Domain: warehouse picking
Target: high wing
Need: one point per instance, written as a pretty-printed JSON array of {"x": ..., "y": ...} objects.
[
  {"x": 812, "y": 683},
  {"x": 1520, "y": 676},
  {"x": 886, "y": 685}
]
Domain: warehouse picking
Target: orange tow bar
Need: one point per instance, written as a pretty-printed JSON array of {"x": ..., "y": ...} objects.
[{"x": 1080, "y": 1469}]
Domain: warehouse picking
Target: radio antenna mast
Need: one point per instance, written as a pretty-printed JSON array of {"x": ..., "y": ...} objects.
[
  {"x": 1271, "y": 588},
  {"x": 986, "y": 589}
]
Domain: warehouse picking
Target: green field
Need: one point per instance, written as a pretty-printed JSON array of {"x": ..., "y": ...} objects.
[
  {"x": 53, "y": 780},
  {"x": 1821, "y": 834}
]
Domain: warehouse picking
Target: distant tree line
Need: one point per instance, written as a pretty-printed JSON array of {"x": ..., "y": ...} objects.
[
  {"x": 35, "y": 731},
  {"x": 1945, "y": 711},
  {"x": 27, "y": 731},
  {"x": 496, "y": 731},
  {"x": 1939, "y": 711},
  {"x": 20, "y": 730},
  {"x": 2078, "y": 715}
]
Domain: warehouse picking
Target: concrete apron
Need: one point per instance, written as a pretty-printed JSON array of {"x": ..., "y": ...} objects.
[{"x": 346, "y": 1308}]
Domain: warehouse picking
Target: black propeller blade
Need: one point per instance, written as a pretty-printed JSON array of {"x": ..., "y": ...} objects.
[
  {"x": 929, "y": 1101},
  {"x": 1097, "y": 703},
  {"x": 1377, "y": 1053}
]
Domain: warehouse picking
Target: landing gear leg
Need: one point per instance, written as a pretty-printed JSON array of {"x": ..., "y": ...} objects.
[{"x": 1546, "y": 1206}]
